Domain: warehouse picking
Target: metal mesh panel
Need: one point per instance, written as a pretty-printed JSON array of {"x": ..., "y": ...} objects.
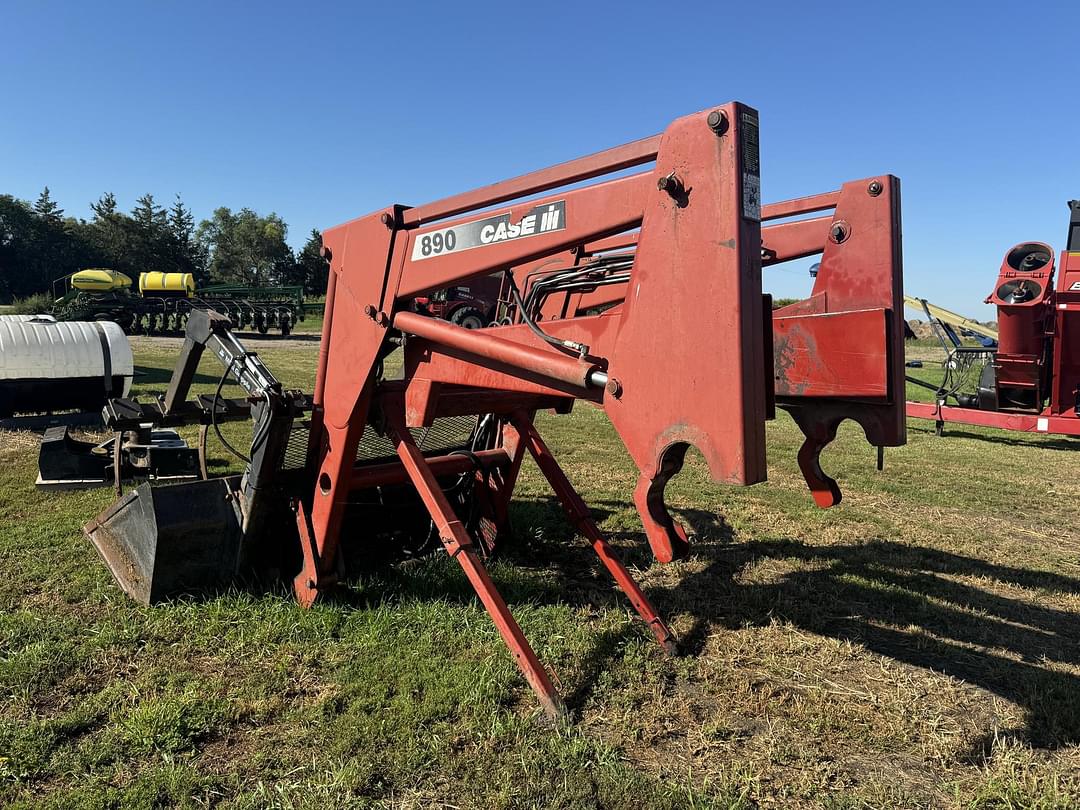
[{"x": 446, "y": 433}]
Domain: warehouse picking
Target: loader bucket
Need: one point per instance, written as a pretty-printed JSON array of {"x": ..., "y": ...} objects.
[{"x": 167, "y": 540}]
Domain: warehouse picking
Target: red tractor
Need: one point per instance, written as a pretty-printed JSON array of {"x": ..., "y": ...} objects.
[{"x": 472, "y": 307}]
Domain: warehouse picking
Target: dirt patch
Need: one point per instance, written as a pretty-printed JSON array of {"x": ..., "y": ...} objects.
[{"x": 15, "y": 443}]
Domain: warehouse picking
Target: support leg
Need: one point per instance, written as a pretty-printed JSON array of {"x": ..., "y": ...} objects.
[
  {"x": 581, "y": 519},
  {"x": 118, "y": 464},
  {"x": 459, "y": 545},
  {"x": 204, "y": 471},
  {"x": 320, "y": 528}
]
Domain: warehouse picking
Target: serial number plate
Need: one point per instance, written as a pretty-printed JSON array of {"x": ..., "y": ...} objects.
[{"x": 495, "y": 230}]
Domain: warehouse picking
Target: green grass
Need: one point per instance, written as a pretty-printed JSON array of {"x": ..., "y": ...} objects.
[{"x": 917, "y": 646}]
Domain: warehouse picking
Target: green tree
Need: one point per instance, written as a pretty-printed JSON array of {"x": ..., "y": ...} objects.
[
  {"x": 54, "y": 253},
  {"x": 150, "y": 240},
  {"x": 105, "y": 208},
  {"x": 19, "y": 231},
  {"x": 188, "y": 255},
  {"x": 245, "y": 248},
  {"x": 313, "y": 269},
  {"x": 110, "y": 234},
  {"x": 37, "y": 245},
  {"x": 48, "y": 210}
]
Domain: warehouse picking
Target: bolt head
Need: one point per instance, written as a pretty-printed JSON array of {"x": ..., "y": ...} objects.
[
  {"x": 717, "y": 122},
  {"x": 839, "y": 232},
  {"x": 369, "y": 310},
  {"x": 875, "y": 188},
  {"x": 614, "y": 387},
  {"x": 386, "y": 220}
]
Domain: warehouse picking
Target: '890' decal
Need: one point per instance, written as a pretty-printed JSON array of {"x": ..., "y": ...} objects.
[{"x": 491, "y": 231}]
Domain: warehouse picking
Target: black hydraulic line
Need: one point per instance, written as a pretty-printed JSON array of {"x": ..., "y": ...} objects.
[
  {"x": 557, "y": 280},
  {"x": 930, "y": 386},
  {"x": 579, "y": 349},
  {"x": 213, "y": 414},
  {"x": 570, "y": 282},
  {"x": 589, "y": 284}
]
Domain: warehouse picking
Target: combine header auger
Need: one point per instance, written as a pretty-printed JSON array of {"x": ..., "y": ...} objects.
[{"x": 670, "y": 369}]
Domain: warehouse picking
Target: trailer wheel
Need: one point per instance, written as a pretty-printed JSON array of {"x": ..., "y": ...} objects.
[
  {"x": 286, "y": 325},
  {"x": 468, "y": 317}
]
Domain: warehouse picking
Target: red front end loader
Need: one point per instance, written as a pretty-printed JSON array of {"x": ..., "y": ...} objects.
[{"x": 653, "y": 311}]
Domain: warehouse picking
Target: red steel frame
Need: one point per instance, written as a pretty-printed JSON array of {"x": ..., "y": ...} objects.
[
  {"x": 697, "y": 236},
  {"x": 838, "y": 354}
]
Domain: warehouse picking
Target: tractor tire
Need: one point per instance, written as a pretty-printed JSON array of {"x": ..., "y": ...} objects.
[{"x": 469, "y": 318}]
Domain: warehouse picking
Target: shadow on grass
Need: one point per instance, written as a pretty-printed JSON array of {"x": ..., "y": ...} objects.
[
  {"x": 1017, "y": 439},
  {"x": 150, "y": 375},
  {"x": 897, "y": 600},
  {"x": 255, "y": 337}
]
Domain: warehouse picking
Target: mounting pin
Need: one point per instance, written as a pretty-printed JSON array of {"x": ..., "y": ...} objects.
[
  {"x": 671, "y": 184},
  {"x": 717, "y": 122}
]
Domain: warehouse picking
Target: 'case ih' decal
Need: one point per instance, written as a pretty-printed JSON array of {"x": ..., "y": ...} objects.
[{"x": 491, "y": 231}]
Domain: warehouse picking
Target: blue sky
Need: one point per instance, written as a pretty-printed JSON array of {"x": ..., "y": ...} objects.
[{"x": 322, "y": 112}]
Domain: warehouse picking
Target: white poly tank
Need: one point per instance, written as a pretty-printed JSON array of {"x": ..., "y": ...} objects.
[
  {"x": 48, "y": 366},
  {"x": 17, "y": 318}
]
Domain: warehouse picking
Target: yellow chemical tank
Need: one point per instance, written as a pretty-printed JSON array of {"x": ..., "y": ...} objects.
[
  {"x": 98, "y": 279},
  {"x": 173, "y": 285}
]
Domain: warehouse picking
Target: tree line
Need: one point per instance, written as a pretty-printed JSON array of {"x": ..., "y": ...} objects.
[{"x": 40, "y": 244}]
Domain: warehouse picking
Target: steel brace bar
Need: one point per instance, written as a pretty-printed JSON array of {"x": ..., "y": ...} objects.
[
  {"x": 455, "y": 539},
  {"x": 581, "y": 519},
  {"x": 458, "y": 544}
]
